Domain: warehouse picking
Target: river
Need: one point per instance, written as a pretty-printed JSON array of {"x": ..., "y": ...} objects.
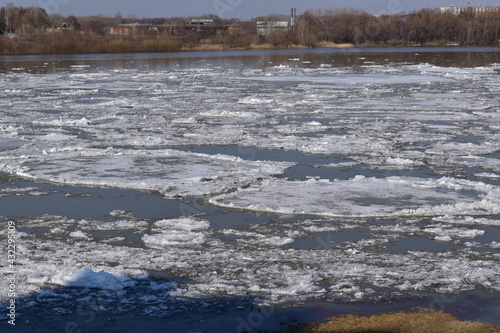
[{"x": 241, "y": 190}]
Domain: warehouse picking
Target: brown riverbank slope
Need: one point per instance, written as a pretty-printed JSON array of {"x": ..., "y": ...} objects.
[{"x": 418, "y": 321}]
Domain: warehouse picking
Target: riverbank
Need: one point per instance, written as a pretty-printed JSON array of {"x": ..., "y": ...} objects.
[
  {"x": 417, "y": 321},
  {"x": 67, "y": 43},
  {"x": 33, "y": 31}
]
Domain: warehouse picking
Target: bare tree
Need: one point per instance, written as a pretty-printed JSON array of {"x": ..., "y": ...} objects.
[{"x": 9, "y": 16}]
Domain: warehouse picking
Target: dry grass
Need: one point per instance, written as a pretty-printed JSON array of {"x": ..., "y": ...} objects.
[
  {"x": 335, "y": 45},
  {"x": 263, "y": 46},
  {"x": 422, "y": 321},
  {"x": 210, "y": 47}
]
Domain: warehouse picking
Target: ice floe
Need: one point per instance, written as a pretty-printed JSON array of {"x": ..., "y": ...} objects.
[
  {"x": 89, "y": 279},
  {"x": 173, "y": 173},
  {"x": 183, "y": 231},
  {"x": 361, "y": 196},
  {"x": 9, "y": 143},
  {"x": 353, "y": 79}
]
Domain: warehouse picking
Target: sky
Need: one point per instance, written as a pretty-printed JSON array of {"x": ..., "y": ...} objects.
[{"x": 243, "y": 9}]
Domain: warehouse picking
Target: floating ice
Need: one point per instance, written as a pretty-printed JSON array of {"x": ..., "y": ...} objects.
[
  {"x": 9, "y": 143},
  {"x": 66, "y": 122},
  {"x": 254, "y": 100},
  {"x": 487, "y": 175},
  {"x": 477, "y": 161},
  {"x": 171, "y": 172},
  {"x": 173, "y": 238},
  {"x": 259, "y": 267},
  {"x": 182, "y": 231},
  {"x": 278, "y": 241},
  {"x": 352, "y": 79},
  {"x": 444, "y": 232},
  {"x": 458, "y": 148},
  {"x": 56, "y": 137},
  {"x": 469, "y": 220},
  {"x": 79, "y": 234},
  {"x": 89, "y": 279},
  {"x": 402, "y": 161},
  {"x": 453, "y": 71},
  {"x": 377, "y": 120},
  {"x": 362, "y": 196}
]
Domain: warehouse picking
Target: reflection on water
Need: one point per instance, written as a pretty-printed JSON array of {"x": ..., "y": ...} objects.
[{"x": 452, "y": 57}]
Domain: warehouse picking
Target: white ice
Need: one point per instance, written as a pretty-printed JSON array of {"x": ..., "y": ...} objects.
[
  {"x": 263, "y": 263},
  {"x": 353, "y": 79},
  {"x": 9, "y": 143},
  {"x": 173, "y": 173},
  {"x": 89, "y": 279},
  {"x": 361, "y": 196},
  {"x": 175, "y": 232}
]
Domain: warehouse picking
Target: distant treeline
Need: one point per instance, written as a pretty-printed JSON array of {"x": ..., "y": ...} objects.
[{"x": 32, "y": 31}]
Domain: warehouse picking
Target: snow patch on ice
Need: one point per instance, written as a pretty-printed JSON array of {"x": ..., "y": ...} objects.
[{"x": 88, "y": 278}]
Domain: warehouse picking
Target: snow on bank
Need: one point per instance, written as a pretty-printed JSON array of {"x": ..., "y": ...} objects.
[
  {"x": 364, "y": 197},
  {"x": 173, "y": 173}
]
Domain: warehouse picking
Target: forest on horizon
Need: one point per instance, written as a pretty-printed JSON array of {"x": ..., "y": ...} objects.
[{"x": 31, "y": 30}]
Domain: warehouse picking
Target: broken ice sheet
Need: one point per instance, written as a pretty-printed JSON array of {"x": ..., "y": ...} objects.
[
  {"x": 173, "y": 173},
  {"x": 9, "y": 143},
  {"x": 361, "y": 196}
]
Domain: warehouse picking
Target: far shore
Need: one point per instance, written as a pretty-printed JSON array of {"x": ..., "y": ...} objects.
[{"x": 145, "y": 47}]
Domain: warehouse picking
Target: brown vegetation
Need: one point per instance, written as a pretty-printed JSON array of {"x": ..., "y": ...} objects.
[
  {"x": 32, "y": 31},
  {"x": 422, "y": 321},
  {"x": 427, "y": 26}
]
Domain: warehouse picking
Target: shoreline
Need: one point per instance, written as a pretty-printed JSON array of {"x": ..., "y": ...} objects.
[
  {"x": 126, "y": 47},
  {"x": 418, "y": 320}
]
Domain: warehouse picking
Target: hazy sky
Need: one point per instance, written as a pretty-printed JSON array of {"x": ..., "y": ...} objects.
[{"x": 244, "y": 9}]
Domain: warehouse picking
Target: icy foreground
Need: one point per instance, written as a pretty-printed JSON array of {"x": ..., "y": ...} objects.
[
  {"x": 378, "y": 180},
  {"x": 259, "y": 263}
]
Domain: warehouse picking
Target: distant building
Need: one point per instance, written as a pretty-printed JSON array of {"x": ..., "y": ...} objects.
[
  {"x": 475, "y": 10},
  {"x": 264, "y": 28},
  {"x": 120, "y": 31},
  {"x": 201, "y": 22}
]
